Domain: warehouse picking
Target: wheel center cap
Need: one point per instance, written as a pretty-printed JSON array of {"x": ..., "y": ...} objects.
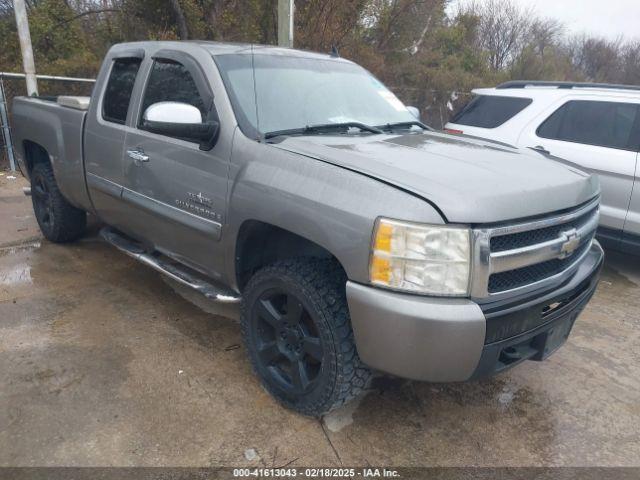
[
  {"x": 293, "y": 336},
  {"x": 290, "y": 342}
]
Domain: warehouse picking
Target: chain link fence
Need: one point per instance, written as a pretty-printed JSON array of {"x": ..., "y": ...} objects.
[
  {"x": 13, "y": 85},
  {"x": 436, "y": 106}
]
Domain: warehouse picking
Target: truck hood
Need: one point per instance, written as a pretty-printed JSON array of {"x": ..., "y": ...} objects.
[{"x": 468, "y": 180}]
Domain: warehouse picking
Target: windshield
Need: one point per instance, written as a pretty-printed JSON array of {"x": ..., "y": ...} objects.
[{"x": 295, "y": 92}]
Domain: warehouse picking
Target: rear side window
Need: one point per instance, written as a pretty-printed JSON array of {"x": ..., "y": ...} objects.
[
  {"x": 170, "y": 81},
  {"x": 487, "y": 111},
  {"x": 119, "y": 88},
  {"x": 604, "y": 124}
]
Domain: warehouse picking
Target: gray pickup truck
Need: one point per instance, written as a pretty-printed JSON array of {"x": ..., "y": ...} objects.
[{"x": 355, "y": 238}]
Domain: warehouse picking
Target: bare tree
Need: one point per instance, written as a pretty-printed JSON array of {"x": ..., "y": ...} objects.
[
  {"x": 503, "y": 30},
  {"x": 183, "y": 31},
  {"x": 599, "y": 59},
  {"x": 630, "y": 63},
  {"x": 545, "y": 33},
  {"x": 401, "y": 25}
]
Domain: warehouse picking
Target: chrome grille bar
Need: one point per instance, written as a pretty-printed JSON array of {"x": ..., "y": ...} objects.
[
  {"x": 560, "y": 247},
  {"x": 541, "y": 252},
  {"x": 544, "y": 222}
]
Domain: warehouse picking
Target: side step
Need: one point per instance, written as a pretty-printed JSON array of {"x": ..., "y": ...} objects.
[{"x": 173, "y": 270}]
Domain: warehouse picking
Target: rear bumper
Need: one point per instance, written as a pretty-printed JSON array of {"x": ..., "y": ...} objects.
[{"x": 445, "y": 340}]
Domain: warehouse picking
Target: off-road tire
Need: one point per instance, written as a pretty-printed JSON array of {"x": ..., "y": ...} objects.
[
  {"x": 320, "y": 286},
  {"x": 59, "y": 221}
]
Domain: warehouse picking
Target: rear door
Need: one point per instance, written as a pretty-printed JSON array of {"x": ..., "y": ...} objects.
[
  {"x": 631, "y": 234},
  {"x": 179, "y": 191},
  {"x": 597, "y": 136},
  {"x": 105, "y": 132}
]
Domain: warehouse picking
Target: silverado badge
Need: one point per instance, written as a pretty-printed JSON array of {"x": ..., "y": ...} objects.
[{"x": 200, "y": 205}]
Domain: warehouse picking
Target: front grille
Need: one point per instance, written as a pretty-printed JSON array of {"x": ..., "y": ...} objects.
[
  {"x": 499, "y": 282},
  {"x": 512, "y": 257},
  {"x": 531, "y": 237}
]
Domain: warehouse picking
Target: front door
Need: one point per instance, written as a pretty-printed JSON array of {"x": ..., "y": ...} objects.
[
  {"x": 105, "y": 133},
  {"x": 177, "y": 189}
]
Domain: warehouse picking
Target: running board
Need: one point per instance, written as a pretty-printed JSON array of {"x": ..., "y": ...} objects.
[{"x": 177, "y": 272}]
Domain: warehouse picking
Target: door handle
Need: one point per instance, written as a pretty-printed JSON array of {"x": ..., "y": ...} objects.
[
  {"x": 541, "y": 149},
  {"x": 138, "y": 156}
]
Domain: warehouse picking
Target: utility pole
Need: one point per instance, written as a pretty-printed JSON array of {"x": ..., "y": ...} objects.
[
  {"x": 285, "y": 23},
  {"x": 25, "y": 46}
]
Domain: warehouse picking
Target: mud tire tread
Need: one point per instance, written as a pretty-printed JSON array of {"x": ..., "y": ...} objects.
[
  {"x": 322, "y": 282},
  {"x": 69, "y": 222}
]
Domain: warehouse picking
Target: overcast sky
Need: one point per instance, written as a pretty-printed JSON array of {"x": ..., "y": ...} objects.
[{"x": 607, "y": 18}]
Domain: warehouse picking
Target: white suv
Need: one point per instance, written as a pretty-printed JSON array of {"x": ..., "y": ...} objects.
[{"x": 594, "y": 126}]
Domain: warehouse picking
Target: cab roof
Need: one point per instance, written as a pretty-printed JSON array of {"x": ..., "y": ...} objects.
[
  {"x": 224, "y": 48},
  {"x": 220, "y": 48}
]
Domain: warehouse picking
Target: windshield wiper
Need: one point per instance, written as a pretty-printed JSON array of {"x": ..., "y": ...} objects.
[
  {"x": 409, "y": 124},
  {"x": 325, "y": 127}
]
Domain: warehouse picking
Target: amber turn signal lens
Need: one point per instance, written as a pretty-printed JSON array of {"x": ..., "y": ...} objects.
[
  {"x": 380, "y": 270},
  {"x": 382, "y": 241}
]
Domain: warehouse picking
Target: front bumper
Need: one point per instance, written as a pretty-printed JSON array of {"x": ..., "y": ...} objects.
[{"x": 447, "y": 340}]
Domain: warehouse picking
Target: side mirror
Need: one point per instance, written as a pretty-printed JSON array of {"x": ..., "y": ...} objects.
[
  {"x": 180, "y": 120},
  {"x": 414, "y": 111}
]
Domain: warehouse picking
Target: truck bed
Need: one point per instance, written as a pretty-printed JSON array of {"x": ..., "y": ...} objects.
[{"x": 56, "y": 125}]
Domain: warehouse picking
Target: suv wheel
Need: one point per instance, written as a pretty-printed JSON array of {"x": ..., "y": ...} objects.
[
  {"x": 295, "y": 323},
  {"x": 59, "y": 221}
]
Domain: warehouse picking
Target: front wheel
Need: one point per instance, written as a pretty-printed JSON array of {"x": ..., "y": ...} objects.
[{"x": 296, "y": 327}]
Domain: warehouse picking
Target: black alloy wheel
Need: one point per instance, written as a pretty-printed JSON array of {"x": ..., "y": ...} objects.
[
  {"x": 42, "y": 203},
  {"x": 288, "y": 344},
  {"x": 58, "y": 220},
  {"x": 297, "y": 330}
]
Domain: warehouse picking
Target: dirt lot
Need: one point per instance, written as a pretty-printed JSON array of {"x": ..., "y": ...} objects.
[{"x": 104, "y": 363}]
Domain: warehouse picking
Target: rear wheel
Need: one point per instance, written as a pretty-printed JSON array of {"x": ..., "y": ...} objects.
[
  {"x": 296, "y": 327},
  {"x": 59, "y": 221}
]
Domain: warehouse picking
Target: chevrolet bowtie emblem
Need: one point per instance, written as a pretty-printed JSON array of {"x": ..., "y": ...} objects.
[{"x": 571, "y": 242}]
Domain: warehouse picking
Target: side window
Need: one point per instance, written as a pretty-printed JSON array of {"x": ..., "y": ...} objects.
[
  {"x": 117, "y": 95},
  {"x": 604, "y": 124},
  {"x": 550, "y": 128},
  {"x": 170, "y": 81},
  {"x": 490, "y": 111}
]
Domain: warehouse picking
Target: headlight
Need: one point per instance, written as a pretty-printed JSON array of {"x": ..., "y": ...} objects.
[{"x": 429, "y": 259}]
